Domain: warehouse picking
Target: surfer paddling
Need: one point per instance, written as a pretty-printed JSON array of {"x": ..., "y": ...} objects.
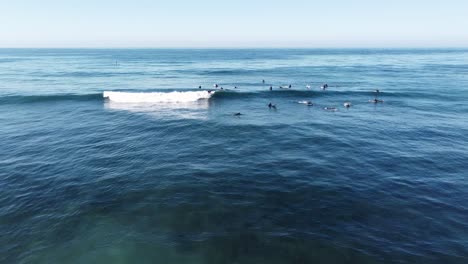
[{"x": 376, "y": 101}]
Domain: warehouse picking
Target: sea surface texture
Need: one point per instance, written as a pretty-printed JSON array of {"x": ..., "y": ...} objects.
[{"x": 160, "y": 171}]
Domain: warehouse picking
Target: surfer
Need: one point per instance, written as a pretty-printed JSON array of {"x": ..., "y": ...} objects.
[
  {"x": 263, "y": 81},
  {"x": 237, "y": 114},
  {"x": 347, "y": 104},
  {"x": 330, "y": 108},
  {"x": 289, "y": 86},
  {"x": 199, "y": 87},
  {"x": 376, "y": 101},
  {"x": 324, "y": 87},
  {"x": 308, "y": 103},
  {"x": 270, "y": 105},
  {"x": 271, "y": 88}
]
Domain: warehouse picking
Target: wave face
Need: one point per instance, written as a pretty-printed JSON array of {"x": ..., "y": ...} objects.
[
  {"x": 157, "y": 97},
  {"x": 25, "y": 99}
]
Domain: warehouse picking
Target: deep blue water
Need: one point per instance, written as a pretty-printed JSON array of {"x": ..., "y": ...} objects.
[{"x": 84, "y": 179}]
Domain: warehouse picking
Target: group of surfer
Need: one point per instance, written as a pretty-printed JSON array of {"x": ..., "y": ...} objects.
[
  {"x": 376, "y": 100},
  {"x": 216, "y": 86}
]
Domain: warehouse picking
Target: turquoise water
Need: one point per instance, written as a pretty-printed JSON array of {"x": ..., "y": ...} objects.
[{"x": 84, "y": 179}]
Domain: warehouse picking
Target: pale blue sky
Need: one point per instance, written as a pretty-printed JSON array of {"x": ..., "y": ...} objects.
[{"x": 236, "y": 23}]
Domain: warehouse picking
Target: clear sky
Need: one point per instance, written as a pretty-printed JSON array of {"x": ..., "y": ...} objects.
[{"x": 234, "y": 23}]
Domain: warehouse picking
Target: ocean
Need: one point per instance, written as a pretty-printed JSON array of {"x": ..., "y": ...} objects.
[{"x": 162, "y": 171}]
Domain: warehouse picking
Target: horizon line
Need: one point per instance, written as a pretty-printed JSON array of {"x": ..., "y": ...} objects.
[{"x": 239, "y": 47}]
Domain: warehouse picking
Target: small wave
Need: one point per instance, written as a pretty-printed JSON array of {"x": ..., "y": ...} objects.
[
  {"x": 226, "y": 72},
  {"x": 20, "y": 99},
  {"x": 157, "y": 97}
]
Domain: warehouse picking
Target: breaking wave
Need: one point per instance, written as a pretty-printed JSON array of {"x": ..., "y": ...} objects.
[{"x": 157, "y": 97}]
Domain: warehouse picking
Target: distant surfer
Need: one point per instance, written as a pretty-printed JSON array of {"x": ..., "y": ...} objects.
[
  {"x": 215, "y": 85},
  {"x": 308, "y": 86},
  {"x": 271, "y": 106},
  {"x": 271, "y": 88},
  {"x": 376, "y": 101},
  {"x": 330, "y": 109},
  {"x": 263, "y": 81},
  {"x": 308, "y": 103},
  {"x": 237, "y": 114},
  {"x": 199, "y": 87},
  {"x": 289, "y": 86},
  {"x": 347, "y": 104},
  {"x": 235, "y": 87},
  {"x": 324, "y": 87}
]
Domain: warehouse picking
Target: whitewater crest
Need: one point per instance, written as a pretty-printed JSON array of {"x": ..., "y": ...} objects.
[{"x": 157, "y": 97}]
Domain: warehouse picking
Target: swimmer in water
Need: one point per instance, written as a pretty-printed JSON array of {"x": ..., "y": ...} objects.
[{"x": 235, "y": 87}]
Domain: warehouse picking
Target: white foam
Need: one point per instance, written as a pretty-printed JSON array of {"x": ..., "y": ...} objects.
[
  {"x": 186, "y": 110},
  {"x": 157, "y": 97}
]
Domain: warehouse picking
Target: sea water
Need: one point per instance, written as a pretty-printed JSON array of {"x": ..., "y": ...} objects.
[{"x": 117, "y": 156}]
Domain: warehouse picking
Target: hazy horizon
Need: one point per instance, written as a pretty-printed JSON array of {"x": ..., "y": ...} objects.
[
  {"x": 243, "y": 24},
  {"x": 239, "y": 48}
]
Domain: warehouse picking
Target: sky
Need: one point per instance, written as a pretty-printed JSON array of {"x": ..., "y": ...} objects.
[{"x": 235, "y": 23}]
